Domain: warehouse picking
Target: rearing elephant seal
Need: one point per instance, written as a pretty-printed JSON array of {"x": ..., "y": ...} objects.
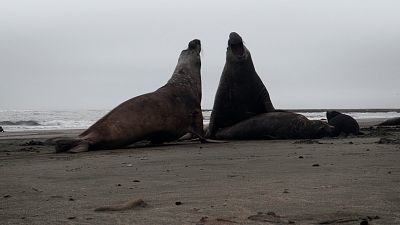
[
  {"x": 161, "y": 116},
  {"x": 241, "y": 94}
]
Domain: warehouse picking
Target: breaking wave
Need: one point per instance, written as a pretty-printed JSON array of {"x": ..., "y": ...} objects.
[
  {"x": 28, "y": 120},
  {"x": 20, "y": 123}
]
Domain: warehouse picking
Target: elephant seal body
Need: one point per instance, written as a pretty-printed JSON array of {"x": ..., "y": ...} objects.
[
  {"x": 277, "y": 125},
  {"x": 241, "y": 94},
  {"x": 343, "y": 123},
  {"x": 161, "y": 116},
  {"x": 391, "y": 122},
  {"x": 1, "y": 129}
]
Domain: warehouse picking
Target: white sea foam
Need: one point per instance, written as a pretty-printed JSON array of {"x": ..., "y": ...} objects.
[
  {"x": 355, "y": 115},
  {"x": 82, "y": 119},
  {"x": 50, "y": 120}
]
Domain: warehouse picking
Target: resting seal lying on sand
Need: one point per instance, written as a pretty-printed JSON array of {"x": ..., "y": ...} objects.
[
  {"x": 277, "y": 125},
  {"x": 241, "y": 94},
  {"x": 391, "y": 122},
  {"x": 343, "y": 123},
  {"x": 161, "y": 116}
]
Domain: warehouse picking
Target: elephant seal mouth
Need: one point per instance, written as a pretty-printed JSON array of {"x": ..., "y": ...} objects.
[{"x": 237, "y": 49}]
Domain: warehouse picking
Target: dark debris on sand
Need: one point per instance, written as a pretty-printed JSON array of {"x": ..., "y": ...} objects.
[
  {"x": 206, "y": 220},
  {"x": 307, "y": 141},
  {"x": 270, "y": 217},
  {"x": 329, "y": 218},
  {"x": 386, "y": 140},
  {"x": 33, "y": 142}
]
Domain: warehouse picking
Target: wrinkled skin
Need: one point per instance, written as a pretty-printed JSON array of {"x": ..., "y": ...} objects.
[
  {"x": 161, "y": 116},
  {"x": 343, "y": 123},
  {"x": 277, "y": 125},
  {"x": 241, "y": 94}
]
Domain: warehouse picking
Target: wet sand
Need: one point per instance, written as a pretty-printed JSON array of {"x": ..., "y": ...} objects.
[{"x": 326, "y": 181}]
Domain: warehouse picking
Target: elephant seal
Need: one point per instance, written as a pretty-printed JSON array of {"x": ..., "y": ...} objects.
[
  {"x": 161, "y": 116},
  {"x": 241, "y": 94},
  {"x": 391, "y": 122},
  {"x": 277, "y": 125},
  {"x": 343, "y": 123},
  {"x": 1, "y": 129}
]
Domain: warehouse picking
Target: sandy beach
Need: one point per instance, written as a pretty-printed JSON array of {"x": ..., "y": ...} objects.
[{"x": 326, "y": 181}]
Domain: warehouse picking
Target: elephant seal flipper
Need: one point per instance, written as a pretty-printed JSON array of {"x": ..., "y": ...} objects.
[
  {"x": 63, "y": 145},
  {"x": 197, "y": 124},
  {"x": 160, "y": 116},
  {"x": 82, "y": 147},
  {"x": 241, "y": 93}
]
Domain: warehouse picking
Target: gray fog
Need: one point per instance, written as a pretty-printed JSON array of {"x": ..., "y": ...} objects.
[{"x": 91, "y": 54}]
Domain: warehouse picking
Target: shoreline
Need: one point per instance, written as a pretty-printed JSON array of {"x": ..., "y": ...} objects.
[
  {"x": 33, "y": 121},
  {"x": 364, "y": 123}
]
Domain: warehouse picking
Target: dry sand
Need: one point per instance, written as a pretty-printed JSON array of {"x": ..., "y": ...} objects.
[{"x": 335, "y": 181}]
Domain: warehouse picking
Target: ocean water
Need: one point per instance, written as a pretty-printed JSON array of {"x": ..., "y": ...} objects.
[
  {"x": 28, "y": 120},
  {"x": 24, "y": 120}
]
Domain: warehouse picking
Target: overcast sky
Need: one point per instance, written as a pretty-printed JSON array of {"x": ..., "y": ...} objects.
[{"x": 81, "y": 54}]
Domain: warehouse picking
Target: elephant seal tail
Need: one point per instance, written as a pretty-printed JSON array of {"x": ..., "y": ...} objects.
[{"x": 71, "y": 145}]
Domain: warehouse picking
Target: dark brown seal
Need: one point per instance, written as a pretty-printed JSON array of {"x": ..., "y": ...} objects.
[
  {"x": 391, "y": 122},
  {"x": 241, "y": 94},
  {"x": 277, "y": 125},
  {"x": 343, "y": 123},
  {"x": 161, "y": 116}
]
